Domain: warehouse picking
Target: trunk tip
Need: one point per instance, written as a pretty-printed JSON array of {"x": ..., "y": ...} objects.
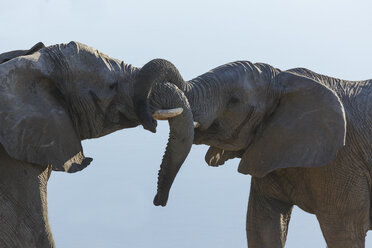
[{"x": 160, "y": 201}]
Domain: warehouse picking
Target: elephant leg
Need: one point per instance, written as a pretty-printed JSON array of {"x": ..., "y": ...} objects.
[
  {"x": 370, "y": 217},
  {"x": 23, "y": 204},
  {"x": 344, "y": 215},
  {"x": 343, "y": 235},
  {"x": 267, "y": 220},
  {"x": 345, "y": 229}
]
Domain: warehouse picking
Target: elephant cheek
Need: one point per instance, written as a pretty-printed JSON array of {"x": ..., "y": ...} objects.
[{"x": 114, "y": 120}]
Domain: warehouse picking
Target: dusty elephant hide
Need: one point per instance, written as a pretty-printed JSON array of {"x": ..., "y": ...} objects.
[
  {"x": 51, "y": 99},
  {"x": 305, "y": 138}
]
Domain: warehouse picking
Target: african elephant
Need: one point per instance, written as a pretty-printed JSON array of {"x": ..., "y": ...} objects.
[
  {"x": 49, "y": 102},
  {"x": 305, "y": 138},
  {"x": 4, "y": 57}
]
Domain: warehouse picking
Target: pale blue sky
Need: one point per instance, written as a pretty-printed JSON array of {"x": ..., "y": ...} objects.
[{"x": 110, "y": 203}]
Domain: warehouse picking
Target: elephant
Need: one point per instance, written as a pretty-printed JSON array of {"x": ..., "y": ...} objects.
[
  {"x": 305, "y": 138},
  {"x": 51, "y": 100},
  {"x": 4, "y": 57}
]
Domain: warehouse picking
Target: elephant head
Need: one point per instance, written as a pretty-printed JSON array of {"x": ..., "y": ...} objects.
[
  {"x": 62, "y": 94},
  {"x": 268, "y": 118}
]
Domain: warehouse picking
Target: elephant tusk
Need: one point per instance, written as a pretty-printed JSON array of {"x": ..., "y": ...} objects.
[
  {"x": 196, "y": 124},
  {"x": 164, "y": 114}
]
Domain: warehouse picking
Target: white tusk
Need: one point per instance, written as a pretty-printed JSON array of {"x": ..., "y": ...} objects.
[
  {"x": 164, "y": 114},
  {"x": 196, "y": 124}
]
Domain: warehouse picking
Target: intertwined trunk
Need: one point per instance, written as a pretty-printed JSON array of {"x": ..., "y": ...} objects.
[
  {"x": 211, "y": 92},
  {"x": 181, "y": 136},
  {"x": 207, "y": 96},
  {"x": 180, "y": 139}
]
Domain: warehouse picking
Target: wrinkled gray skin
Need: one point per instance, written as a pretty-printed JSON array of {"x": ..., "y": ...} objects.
[
  {"x": 49, "y": 102},
  {"x": 305, "y": 138},
  {"x": 4, "y": 57}
]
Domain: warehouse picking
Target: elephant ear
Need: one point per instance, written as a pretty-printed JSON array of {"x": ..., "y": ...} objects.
[
  {"x": 306, "y": 130},
  {"x": 34, "y": 125},
  {"x": 4, "y": 57}
]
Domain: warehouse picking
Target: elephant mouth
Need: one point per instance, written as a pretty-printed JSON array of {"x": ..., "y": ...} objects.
[
  {"x": 216, "y": 137},
  {"x": 125, "y": 122},
  {"x": 203, "y": 136},
  {"x": 117, "y": 121},
  {"x": 198, "y": 137}
]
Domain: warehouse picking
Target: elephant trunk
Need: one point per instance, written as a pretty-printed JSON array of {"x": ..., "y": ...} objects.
[
  {"x": 155, "y": 71},
  {"x": 169, "y": 87},
  {"x": 180, "y": 139}
]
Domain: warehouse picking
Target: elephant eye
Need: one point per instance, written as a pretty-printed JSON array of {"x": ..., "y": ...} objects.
[
  {"x": 113, "y": 86},
  {"x": 234, "y": 100}
]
